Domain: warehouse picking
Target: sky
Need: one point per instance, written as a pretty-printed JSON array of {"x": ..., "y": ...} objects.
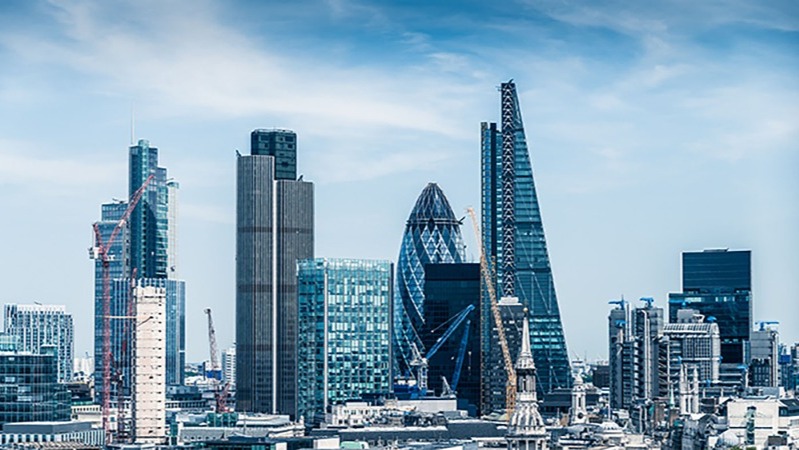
[{"x": 654, "y": 128}]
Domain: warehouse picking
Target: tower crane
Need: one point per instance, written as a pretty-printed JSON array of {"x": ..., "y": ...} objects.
[
  {"x": 510, "y": 387},
  {"x": 420, "y": 362},
  {"x": 100, "y": 252},
  {"x": 215, "y": 372}
]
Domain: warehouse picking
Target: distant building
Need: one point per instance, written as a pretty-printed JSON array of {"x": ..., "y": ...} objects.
[
  {"x": 600, "y": 375},
  {"x": 449, "y": 290},
  {"x": 29, "y": 384},
  {"x": 494, "y": 387},
  {"x": 149, "y": 356},
  {"x": 229, "y": 366},
  {"x": 344, "y": 332},
  {"x": 274, "y": 219},
  {"x": 172, "y": 188},
  {"x": 149, "y": 220},
  {"x": 633, "y": 335},
  {"x": 693, "y": 343},
  {"x": 764, "y": 362},
  {"x": 40, "y": 325},
  {"x": 72, "y": 435}
]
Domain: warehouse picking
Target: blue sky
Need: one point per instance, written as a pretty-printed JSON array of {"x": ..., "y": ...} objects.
[{"x": 654, "y": 127}]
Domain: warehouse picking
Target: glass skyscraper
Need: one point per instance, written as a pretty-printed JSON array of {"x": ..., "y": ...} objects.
[
  {"x": 344, "y": 348},
  {"x": 274, "y": 219},
  {"x": 718, "y": 284},
  {"x": 145, "y": 249},
  {"x": 432, "y": 235},
  {"x": 515, "y": 244}
]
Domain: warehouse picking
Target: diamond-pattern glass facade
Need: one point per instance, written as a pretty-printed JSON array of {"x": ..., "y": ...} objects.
[
  {"x": 432, "y": 235},
  {"x": 531, "y": 279}
]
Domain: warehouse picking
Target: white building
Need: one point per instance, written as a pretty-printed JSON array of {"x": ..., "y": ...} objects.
[
  {"x": 149, "y": 374},
  {"x": 754, "y": 420},
  {"x": 43, "y": 325},
  {"x": 229, "y": 366}
]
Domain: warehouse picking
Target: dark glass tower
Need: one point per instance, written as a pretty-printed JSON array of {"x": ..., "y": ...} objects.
[
  {"x": 432, "y": 235},
  {"x": 718, "y": 284},
  {"x": 448, "y": 290},
  {"x": 274, "y": 218},
  {"x": 513, "y": 236},
  {"x": 148, "y": 221},
  {"x": 282, "y": 144}
]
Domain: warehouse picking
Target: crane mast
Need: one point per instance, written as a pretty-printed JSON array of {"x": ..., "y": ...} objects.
[
  {"x": 510, "y": 388},
  {"x": 215, "y": 367},
  {"x": 100, "y": 251}
]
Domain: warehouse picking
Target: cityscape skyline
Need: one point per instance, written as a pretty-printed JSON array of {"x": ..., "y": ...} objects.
[{"x": 623, "y": 196}]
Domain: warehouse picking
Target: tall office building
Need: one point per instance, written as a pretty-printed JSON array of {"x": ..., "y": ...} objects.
[
  {"x": 280, "y": 144},
  {"x": 149, "y": 220},
  {"x": 432, "y": 236},
  {"x": 149, "y": 355},
  {"x": 274, "y": 219},
  {"x": 146, "y": 248},
  {"x": 718, "y": 284},
  {"x": 633, "y": 336},
  {"x": 344, "y": 332},
  {"x": 514, "y": 241},
  {"x": 43, "y": 325},
  {"x": 449, "y": 290}
]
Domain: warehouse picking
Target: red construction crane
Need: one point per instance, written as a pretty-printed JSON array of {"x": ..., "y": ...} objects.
[{"x": 100, "y": 251}]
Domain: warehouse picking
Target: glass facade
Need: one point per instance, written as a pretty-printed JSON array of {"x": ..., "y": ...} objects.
[
  {"x": 432, "y": 235},
  {"x": 29, "y": 387},
  {"x": 515, "y": 244},
  {"x": 718, "y": 284},
  {"x": 149, "y": 220},
  {"x": 282, "y": 145},
  {"x": 448, "y": 290},
  {"x": 344, "y": 346},
  {"x": 43, "y": 325}
]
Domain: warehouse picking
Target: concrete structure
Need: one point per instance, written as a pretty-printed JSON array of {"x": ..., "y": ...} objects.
[
  {"x": 43, "y": 325},
  {"x": 693, "y": 343},
  {"x": 73, "y": 432},
  {"x": 149, "y": 377},
  {"x": 754, "y": 420},
  {"x": 344, "y": 333},
  {"x": 579, "y": 410},
  {"x": 274, "y": 218}
]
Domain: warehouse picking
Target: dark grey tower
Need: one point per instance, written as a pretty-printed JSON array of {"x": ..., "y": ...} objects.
[{"x": 274, "y": 217}]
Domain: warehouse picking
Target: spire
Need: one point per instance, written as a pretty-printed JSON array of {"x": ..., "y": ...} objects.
[{"x": 525, "y": 360}]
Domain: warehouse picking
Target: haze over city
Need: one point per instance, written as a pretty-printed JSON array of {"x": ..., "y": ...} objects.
[{"x": 653, "y": 129}]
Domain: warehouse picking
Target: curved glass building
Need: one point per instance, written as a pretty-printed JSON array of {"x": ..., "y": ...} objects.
[{"x": 432, "y": 235}]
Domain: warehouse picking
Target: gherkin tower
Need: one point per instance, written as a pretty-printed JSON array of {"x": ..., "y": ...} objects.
[{"x": 432, "y": 235}]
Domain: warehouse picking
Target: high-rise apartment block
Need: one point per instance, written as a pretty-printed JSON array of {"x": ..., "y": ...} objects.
[
  {"x": 43, "y": 325},
  {"x": 344, "y": 332},
  {"x": 274, "y": 219},
  {"x": 514, "y": 241},
  {"x": 432, "y": 236},
  {"x": 149, "y": 356},
  {"x": 449, "y": 289}
]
